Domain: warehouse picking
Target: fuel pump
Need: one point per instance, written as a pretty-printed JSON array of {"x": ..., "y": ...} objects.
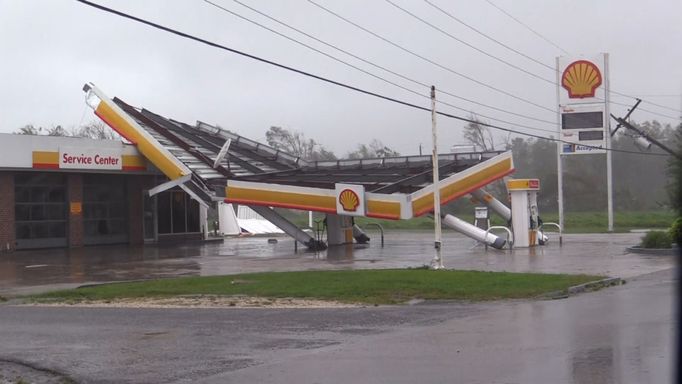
[{"x": 524, "y": 209}]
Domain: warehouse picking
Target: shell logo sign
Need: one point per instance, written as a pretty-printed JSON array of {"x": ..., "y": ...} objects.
[
  {"x": 350, "y": 199},
  {"x": 581, "y": 79}
]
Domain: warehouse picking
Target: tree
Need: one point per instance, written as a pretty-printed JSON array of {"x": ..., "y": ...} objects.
[
  {"x": 57, "y": 130},
  {"x": 28, "y": 129},
  {"x": 674, "y": 187},
  {"x": 482, "y": 136},
  {"x": 95, "y": 130},
  {"x": 297, "y": 144},
  {"x": 375, "y": 149}
]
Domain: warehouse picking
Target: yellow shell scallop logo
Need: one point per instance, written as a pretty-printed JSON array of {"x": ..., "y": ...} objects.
[
  {"x": 349, "y": 200},
  {"x": 581, "y": 79}
]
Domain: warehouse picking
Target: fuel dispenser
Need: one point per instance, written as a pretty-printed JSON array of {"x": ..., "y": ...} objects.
[{"x": 523, "y": 194}]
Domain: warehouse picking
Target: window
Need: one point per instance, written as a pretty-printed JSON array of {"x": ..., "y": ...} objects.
[
  {"x": 40, "y": 210},
  {"x": 164, "y": 212},
  {"x": 177, "y": 213},
  {"x": 105, "y": 219}
]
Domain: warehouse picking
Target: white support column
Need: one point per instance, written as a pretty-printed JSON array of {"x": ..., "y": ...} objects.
[
  {"x": 203, "y": 220},
  {"x": 227, "y": 220},
  {"x": 339, "y": 230},
  {"x": 437, "y": 262}
]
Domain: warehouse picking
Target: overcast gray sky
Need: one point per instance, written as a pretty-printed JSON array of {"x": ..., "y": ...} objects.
[{"x": 51, "y": 48}]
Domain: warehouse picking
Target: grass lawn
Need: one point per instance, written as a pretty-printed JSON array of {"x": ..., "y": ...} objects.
[
  {"x": 575, "y": 222},
  {"x": 351, "y": 286}
]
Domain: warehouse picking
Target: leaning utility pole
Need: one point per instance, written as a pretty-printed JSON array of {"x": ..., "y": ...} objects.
[{"x": 645, "y": 135}]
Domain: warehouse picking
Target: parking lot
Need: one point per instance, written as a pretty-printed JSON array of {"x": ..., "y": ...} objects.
[{"x": 40, "y": 270}]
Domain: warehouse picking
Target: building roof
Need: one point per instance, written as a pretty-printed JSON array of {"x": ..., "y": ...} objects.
[{"x": 197, "y": 146}]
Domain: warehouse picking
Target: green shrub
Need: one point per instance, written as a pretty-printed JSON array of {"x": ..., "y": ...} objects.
[
  {"x": 656, "y": 239},
  {"x": 675, "y": 231}
]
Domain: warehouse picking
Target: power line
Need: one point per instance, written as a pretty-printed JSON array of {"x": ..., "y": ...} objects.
[
  {"x": 657, "y": 95},
  {"x": 389, "y": 70},
  {"x": 330, "y": 81},
  {"x": 380, "y": 67},
  {"x": 527, "y": 27},
  {"x": 429, "y": 60},
  {"x": 564, "y": 51},
  {"x": 642, "y": 109},
  {"x": 453, "y": 17},
  {"x": 649, "y": 102},
  {"x": 446, "y": 33},
  {"x": 479, "y": 50}
]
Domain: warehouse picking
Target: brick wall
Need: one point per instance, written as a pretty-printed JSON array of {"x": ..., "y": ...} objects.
[
  {"x": 7, "y": 231},
  {"x": 75, "y": 192}
]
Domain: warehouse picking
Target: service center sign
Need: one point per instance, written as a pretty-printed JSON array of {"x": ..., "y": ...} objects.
[{"x": 108, "y": 159}]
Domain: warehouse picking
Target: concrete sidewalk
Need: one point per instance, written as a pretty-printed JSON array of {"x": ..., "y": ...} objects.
[{"x": 25, "y": 272}]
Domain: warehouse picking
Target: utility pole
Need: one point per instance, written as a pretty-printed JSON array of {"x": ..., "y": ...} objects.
[
  {"x": 437, "y": 262},
  {"x": 609, "y": 157},
  {"x": 645, "y": 135}
]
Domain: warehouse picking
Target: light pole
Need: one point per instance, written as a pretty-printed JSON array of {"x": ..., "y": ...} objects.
[{"x": 437, "y": 262}]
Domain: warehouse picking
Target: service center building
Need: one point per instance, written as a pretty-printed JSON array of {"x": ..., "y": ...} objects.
[{"x": 70, "y": 192}]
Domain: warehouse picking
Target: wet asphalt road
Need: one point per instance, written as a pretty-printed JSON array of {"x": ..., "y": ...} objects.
[
  {"x": 622, "y": 334},
  {"x": 41, "y": 270}
]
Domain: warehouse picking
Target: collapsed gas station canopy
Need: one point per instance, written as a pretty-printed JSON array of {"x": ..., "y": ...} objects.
[{"x": 213, "y": 164}]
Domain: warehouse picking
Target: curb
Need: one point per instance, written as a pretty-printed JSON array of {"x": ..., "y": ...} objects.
[
  {"x": 594, "y": 285},
  {"x": 582, "y": 288},
  {"x": 654, "y": 251}
]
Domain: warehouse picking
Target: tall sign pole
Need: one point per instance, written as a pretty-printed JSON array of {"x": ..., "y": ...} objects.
[
  {"x": 607, "y": 127},
  {"x": 559, "y": 158},
  {"x": 583, "y": 118},
  {"x": 437, "y": 262}
]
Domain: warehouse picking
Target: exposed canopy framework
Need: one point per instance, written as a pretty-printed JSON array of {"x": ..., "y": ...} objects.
[{"x": 214, "y": 164}]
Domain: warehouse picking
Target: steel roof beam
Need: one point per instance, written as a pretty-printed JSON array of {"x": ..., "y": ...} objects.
[
  {"x": 207, "y": 145},
  {"x": 169, "y": 136},
  {"x": 236, "y": 149}
]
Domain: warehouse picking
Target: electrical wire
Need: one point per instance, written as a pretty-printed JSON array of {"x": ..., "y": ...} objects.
[
  {"x": 486, "y": 53},
  {"x": 657, "y": 95},
  {"x": 421, "y": 83},
  {"x": 650, "y": 102},
  {"x": 449, "y": 93},
  {"x": 520, "y": 53},
  {"x": 453, "y": 17},
  {"x": 527, "y": 27},
  {"x": 453, "y": 37},
  {"x": 334, "y": 82},
  {"x": 564, "y": 51},
  {"x": 380, "y": 67},
  {"x": 431, "y": 61},
  {"x": 642, "y": 109}
]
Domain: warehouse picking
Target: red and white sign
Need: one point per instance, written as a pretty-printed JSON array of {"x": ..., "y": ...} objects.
[
  {"x": 582, "y": 79},
  {"x": 583, "y": 90},
  {"x": 350, "y": 199},
  {"x": 90, "y": 158}
]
